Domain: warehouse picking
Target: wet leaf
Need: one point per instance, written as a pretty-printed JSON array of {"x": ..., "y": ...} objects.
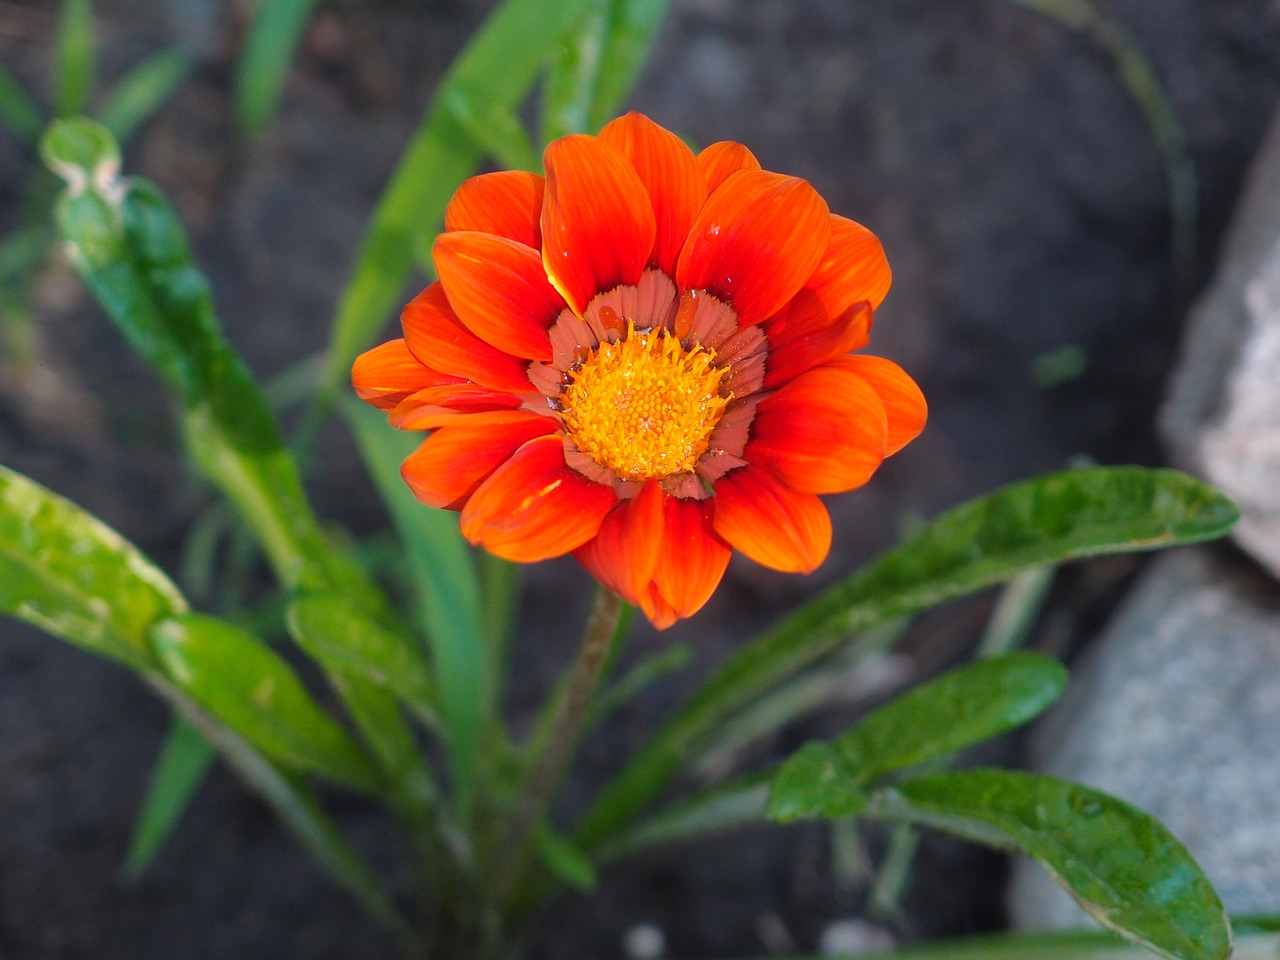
[
  {"x": 1046, "y": 520},
  {"x": 1121, "y": 864},
  {"x": 959, "y": 709}
]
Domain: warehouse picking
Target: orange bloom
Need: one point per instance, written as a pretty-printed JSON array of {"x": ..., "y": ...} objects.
[{"x": 644, "y": 358}]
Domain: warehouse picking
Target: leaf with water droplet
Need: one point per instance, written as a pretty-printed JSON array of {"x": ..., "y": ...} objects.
[{"x": 1120, "y": 864}]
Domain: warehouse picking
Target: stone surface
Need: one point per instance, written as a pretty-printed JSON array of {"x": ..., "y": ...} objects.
[
  {"x": 1222, "y": 418},
  {"x": 1176, "y": 709}
]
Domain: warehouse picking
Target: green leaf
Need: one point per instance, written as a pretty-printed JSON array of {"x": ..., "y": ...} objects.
[
  {"x": 84, "y": 154},
  {"x": 1046, "y": 520},
  {"x": 1062, "y": 945},
  {"x": 630, "y": 31},
  {"x": 959, "y": 709},
  {"x": 467, "y": 659},
  {"x": 933, "y": 720},
  {"x": 299, "y": 810},
  {"x": 184, "y": 761},
  {"x": 66, "y": 572},
  {"x": 73, "y": 58},
  {"x": 815, "y": 782},
  {"x": 497, "y": 68},
  {"x": 130, "y": 249},
  {"x": 268, "y": 52},
  {"x": 253, "y": 691},
  {"x": 598, "y": 62},
  {"x": 142, "y": 90},
  {"x": 1121, "y": 864},
  {"x": 344, "y": 639},
  {"x": 565, "y": 861},
  {"x": 18, "y": 110},
  {"x": 496, "y": 128},
  {"x": 722, "y": 807}
]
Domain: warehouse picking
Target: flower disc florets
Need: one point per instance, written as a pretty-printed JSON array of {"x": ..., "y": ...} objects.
[{"x": 644, "y": 406}]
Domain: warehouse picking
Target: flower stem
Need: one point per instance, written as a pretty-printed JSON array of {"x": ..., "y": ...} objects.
[{"x": 566, "y": 728}]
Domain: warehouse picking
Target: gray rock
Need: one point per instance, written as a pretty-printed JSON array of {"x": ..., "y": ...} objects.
[
  {"x": 1177, "y": 710},
  {"x": 1222, "y": 417}
]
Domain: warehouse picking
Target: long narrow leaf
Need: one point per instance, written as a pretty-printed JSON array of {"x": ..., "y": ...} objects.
[
  {"x": 597, "y": 64},
  {"x": 334, "y": 633},
  {"x": 264, "y": 62},
  {"x": 298, "y": 809},
  {"x": 1072, "y": 945},
  {"x": 184, "y": 761},
  {"x": 19, "y": 110},
  {"x": 69, "y": 574},
  {"x": 930, "y": 722},
  {"x": 445, "y": 578},
  {"x": 130, "y": 249},
  {"x": 497, "y": 68},
  {"x": 142, "y": 90},
  {"x": 247, "y": 686},
  {"x": 74, "y": 58},
  {"x": 1046, "y": 520},
  {"x": 1118, "y": 862}
]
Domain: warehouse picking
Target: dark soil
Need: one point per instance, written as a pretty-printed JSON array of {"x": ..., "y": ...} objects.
[{"x": 1024, "y": 209}]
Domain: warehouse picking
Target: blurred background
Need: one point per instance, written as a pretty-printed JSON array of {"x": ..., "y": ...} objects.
[{"x": 1048, "y": 218}]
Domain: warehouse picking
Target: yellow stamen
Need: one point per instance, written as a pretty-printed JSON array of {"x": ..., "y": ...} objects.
[{"x": 644, "y": 406}]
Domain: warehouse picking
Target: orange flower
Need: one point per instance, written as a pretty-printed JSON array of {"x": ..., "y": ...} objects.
[{"x": 644, "y": 358}]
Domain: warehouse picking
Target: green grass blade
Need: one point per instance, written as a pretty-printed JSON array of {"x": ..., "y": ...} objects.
[
  {"x": 978, "y": 544},
  {"x": 74, "y": 58},
  {"x": 1139, "y": 76},
  {"x": 298, "y": 808},
  {"x": 19, "y": 110},
  {"x": 497, "y": 68},
  {"x": 264, "y": 62},
  {"x": 597, "y": 64},
  {"x": 443, "y": 573},
  {"x": 184, "y": 762},
  {"x": 142, "y": 91}
]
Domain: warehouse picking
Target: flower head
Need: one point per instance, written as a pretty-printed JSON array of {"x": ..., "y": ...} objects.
[{"x": 644, "y": 359}]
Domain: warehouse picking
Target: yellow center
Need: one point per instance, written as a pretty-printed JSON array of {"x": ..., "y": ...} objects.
[{"x": 645, "y": 406}]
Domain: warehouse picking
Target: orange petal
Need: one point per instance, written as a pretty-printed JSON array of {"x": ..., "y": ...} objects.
[
  {"x": 506, "y": 204},
  {"x": 903, "y": 402},
  {"x": 853, "y": 268},
  {"x": 625, "y": 551},
  {"x": 755, "y": 243},
  {"x": 771, "y": 523},
  {"x": 387, "y": 374},
  {"x": 659, "y": 613},
  {"x": 721, "y": 159},
  {"x": 693, "y": 558},
  {"x": 824, "y": 432},
  {"x": 534, "y": 507},
  {"x": 597, "y": 222},
  {"x": 497, "y": 287},
  {"x": 803, "y": 335},
  {"x": 436, "y": 336},
  {"x": 408, "y": 416},
  {"x": 452, "y": 462},
  {"x": 670, "y": 175}
]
